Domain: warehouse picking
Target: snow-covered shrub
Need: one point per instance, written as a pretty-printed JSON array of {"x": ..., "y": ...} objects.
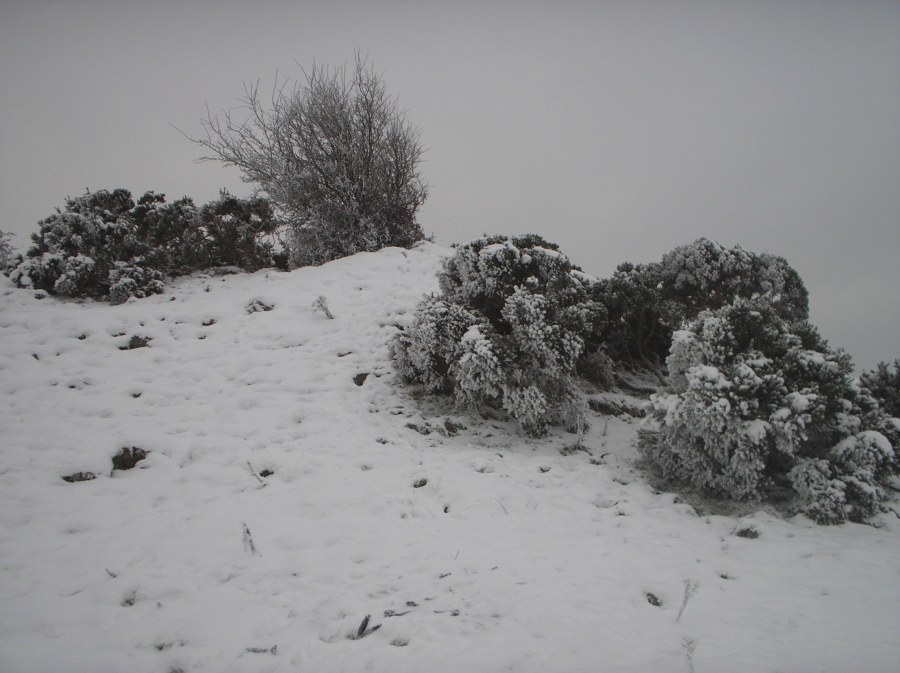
[
  {"x": 332, "y": 231},
  {"x": 172, "y": 241},
  {"x": 884, "y": 384},
  {"x": 132, "y": 280},
  {"x": 103, "y": 244},
  {"x": 7, "y": 251},
  {"x": 759, "y": 402},
  {"x": 77, "y": 249},
  {"x": 647, "y": 303},
  {"x": 226, "y": 232},
  {"x": 507, "y": 331},
  {"x": 706, "y": 275},
  {"x": 640, "y": 321},
  {"x": 425, "y": 351},
  {"x": 597, "y": 367},
  {"x": 233, "y": 230}
]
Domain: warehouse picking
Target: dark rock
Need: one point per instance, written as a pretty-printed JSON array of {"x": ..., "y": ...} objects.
[
  {"x": 79, "y": 476},
  {"x": 128, "y": 458},
  {"x": 135, "y": 342}
]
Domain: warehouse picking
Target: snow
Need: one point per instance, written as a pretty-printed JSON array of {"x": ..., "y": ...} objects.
[
  {"x": 494, "y": 249},
  {"x": 473, "y": 334},
  {"x": 800, "y": 402},
  {"x": 582, "y": 277},
  {"x": 756, "y": 430},
  {"x": 547, "y": 252},
  {"x": 493, "y": 552}
]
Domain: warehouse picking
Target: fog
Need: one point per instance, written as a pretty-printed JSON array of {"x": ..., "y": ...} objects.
[{"x": 616, "y": 129}]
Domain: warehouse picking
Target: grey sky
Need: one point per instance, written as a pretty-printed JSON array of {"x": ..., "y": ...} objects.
[{"x": 616, "y": 129}]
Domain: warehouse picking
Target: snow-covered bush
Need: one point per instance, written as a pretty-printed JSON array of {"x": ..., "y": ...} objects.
[
  {"x": 884, "y": 384},
  {"x": 76, "y": 248},
  {"x": 527, "y": 372},
  {"x": 647, "y": 303},
  {"x": 425, "y": 352},
  {"x": 510, "y": 325},
  {"x": 760, "y": 402},
  {"x": 640, "y": 321},
  {"x": 233, "y": 231},
  {"x": 172, "y": 240},
  {"x": 597, "y": 367},
  {"x": 7, "y": 251},
  {"x": 104, "y": 245},
  {"x": 126, "y": 281},
  {"x": 706, "y": 275}
]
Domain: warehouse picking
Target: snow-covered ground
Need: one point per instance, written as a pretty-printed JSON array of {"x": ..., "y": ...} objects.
[{"x": 472, "y": 547}]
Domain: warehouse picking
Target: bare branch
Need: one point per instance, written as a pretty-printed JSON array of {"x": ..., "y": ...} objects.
[{"x": 335, "y": 155}]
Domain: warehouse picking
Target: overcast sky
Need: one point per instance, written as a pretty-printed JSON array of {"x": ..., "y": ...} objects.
[{"x": 616, "y": 129}]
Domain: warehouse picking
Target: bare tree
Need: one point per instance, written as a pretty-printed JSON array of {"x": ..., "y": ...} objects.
[{"x": 334, "y": 154}]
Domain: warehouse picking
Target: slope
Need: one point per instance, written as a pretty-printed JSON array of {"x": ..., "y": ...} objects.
[{"x": 290, "y": 490}]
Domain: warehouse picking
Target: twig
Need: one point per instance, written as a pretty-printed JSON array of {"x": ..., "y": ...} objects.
[
  {"x": 248, "y": 540},
  {"x": 364, "y": 628},
  {"x": 321, "y": 304},
  {"x": 253, "y": 472},
  {"x": 689, "y": 645},
  {"x": 690, "y": 588}
]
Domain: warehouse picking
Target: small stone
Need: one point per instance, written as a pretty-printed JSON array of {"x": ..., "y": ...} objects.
[{"x": 128, "y": 458}]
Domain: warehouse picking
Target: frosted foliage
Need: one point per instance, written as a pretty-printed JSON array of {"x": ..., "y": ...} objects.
[
  {"x": 75, "y": 274},
  {"x": 752, "y": 407},
  {"x": 425, "y": 351},
  {"x": 335, "y": 154},
  {"x": 530, "y": 406},
  {"x": 483, "y": 273},
  {"x": 685, "y": 353},
  {"x": 863, "y": 462},
  {"x": 544, "y": 346},
  {"x": 126, "y": 281},
  {"x": 700, "y": 266},
  {"x": 7, "y": 251},
  {"x": 825, "y": 498},
  {"x": 524, "y": 314},
  {"x": 477, "y": 274},
  {"x": 478, "y": 372},
  {"x": 538, "y": 386},
  {"x": 849, "y": 484},
  {"x": 706, "y": 440},
  {"x": 104, "y": 245},
  {"x": 706, "y": 274},
  {"x": 30, "y": 272},
  {"x": 598, "y": 367},
  {"x": 884, "y": 384}
]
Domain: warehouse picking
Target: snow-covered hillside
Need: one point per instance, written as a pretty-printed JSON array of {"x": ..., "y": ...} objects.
[{"x": 290, "y": 490}]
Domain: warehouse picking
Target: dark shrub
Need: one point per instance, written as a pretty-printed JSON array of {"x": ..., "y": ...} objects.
[
  {"x": 646, "y": 303},
  {"x": 884, "y": 384},
  {"x": 104, "y": 245}
]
